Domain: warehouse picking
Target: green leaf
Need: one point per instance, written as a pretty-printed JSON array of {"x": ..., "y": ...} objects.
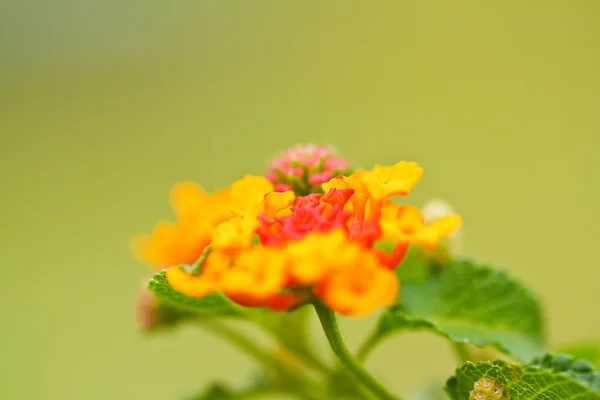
[
  {"x": 214, "y": 304},
  {"x": 287, "y": 328},
  {"x": 468, "y": 303},
  {"x": 579, "y": 369},
  {"x": 522, "y": 383},
  {"x": 416, "y": 266}
]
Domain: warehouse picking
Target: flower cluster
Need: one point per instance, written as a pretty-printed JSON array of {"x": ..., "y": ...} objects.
[
  {"x": 304, "y": 168},
  {"x": 267, "y": 248}
]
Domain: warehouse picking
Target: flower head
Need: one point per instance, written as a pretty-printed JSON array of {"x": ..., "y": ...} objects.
[
  {"x": 304, "y": 168},
  {"x": 279, "y": 249}
]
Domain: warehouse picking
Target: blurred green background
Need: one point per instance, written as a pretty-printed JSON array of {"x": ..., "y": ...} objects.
[{"x": 105, "y": 105}]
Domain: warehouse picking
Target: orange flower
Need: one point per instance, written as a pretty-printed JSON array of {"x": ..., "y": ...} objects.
[
  {"x": 383, "y": 182},
  {"x": 256, "y": 276},
  {"x": 214, "y": 269},
  {"x": 316, "y": 246},
  {"x": 319, "y": 253},
  {"x": 360, "y": 288},
  {"x": 406, "y": 224},
  {"x": 183, "y": 241},
  {"x": 172, "y": 243}
]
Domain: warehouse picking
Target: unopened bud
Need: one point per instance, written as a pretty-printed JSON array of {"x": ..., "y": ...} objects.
[
  {"x": 488, "y": 389},
  {"x": 146, "y": 308},
  {"x": 304, "y": 168}
]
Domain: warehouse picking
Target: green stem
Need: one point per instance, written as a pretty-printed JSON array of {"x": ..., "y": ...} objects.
[
  {"x": 303, "y": 354},
  {"x": 367, "y": 346},
  {"x": 333, "y": 334},
  {"x": 296, "y": 349},
  {"x": 299, "y": 384},
  {"x": 242, "y": 342},
  {"x": 195, "y": 267}
]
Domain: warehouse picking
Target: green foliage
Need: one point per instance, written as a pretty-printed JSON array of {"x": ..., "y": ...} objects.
[
  {"x": 467, "y": 303},
  {"x": 288, "y": 329},
  {"x": 214, "y": 304},
  {"x": 580, "y": 369},
  {"x": 416, "y": 266},
  {"x": 521, "y": 382}
]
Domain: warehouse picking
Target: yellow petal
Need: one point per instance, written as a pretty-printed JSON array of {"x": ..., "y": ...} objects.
[
  {"x": 318, "y": 253},
  {"x": 384, "y": 181},
  {"x": 192, "y": 285},
  {"x": 436, "y": 231},
  {"x": 186, "y": 197},
  {"x": 400, "y": 222},
  {"x": 250, "y": 190},
  {"x": 257, "y": 274},
  {"x": 234, "y": 234},
  {"x": 275, "y": 203}
]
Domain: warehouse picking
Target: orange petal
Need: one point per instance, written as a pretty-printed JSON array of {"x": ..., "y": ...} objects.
[
  {"x": 256, "y": 275},
  {"x": 192, "y": 285},
  {"x": 361, "y": 289},
  {"x": 186, "y": 197},
  {"x": 275, "y": 203}
]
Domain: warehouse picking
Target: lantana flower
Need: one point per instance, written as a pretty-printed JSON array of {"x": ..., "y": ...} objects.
[{"x": 303, "y": 233}]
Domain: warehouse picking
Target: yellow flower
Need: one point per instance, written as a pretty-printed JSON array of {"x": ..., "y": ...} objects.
[
  {"x": 249, "y": 191},
  {"x": 235, "y": 234},
  {"x": 256, "y": 276},
  {"x": 317, "y": 254},
  {"x": 360, "y": 288},
  {"x": 406, "y": 224},
  {"x": 214, "y": 269},
  {"x": 383, "y": 181}
]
